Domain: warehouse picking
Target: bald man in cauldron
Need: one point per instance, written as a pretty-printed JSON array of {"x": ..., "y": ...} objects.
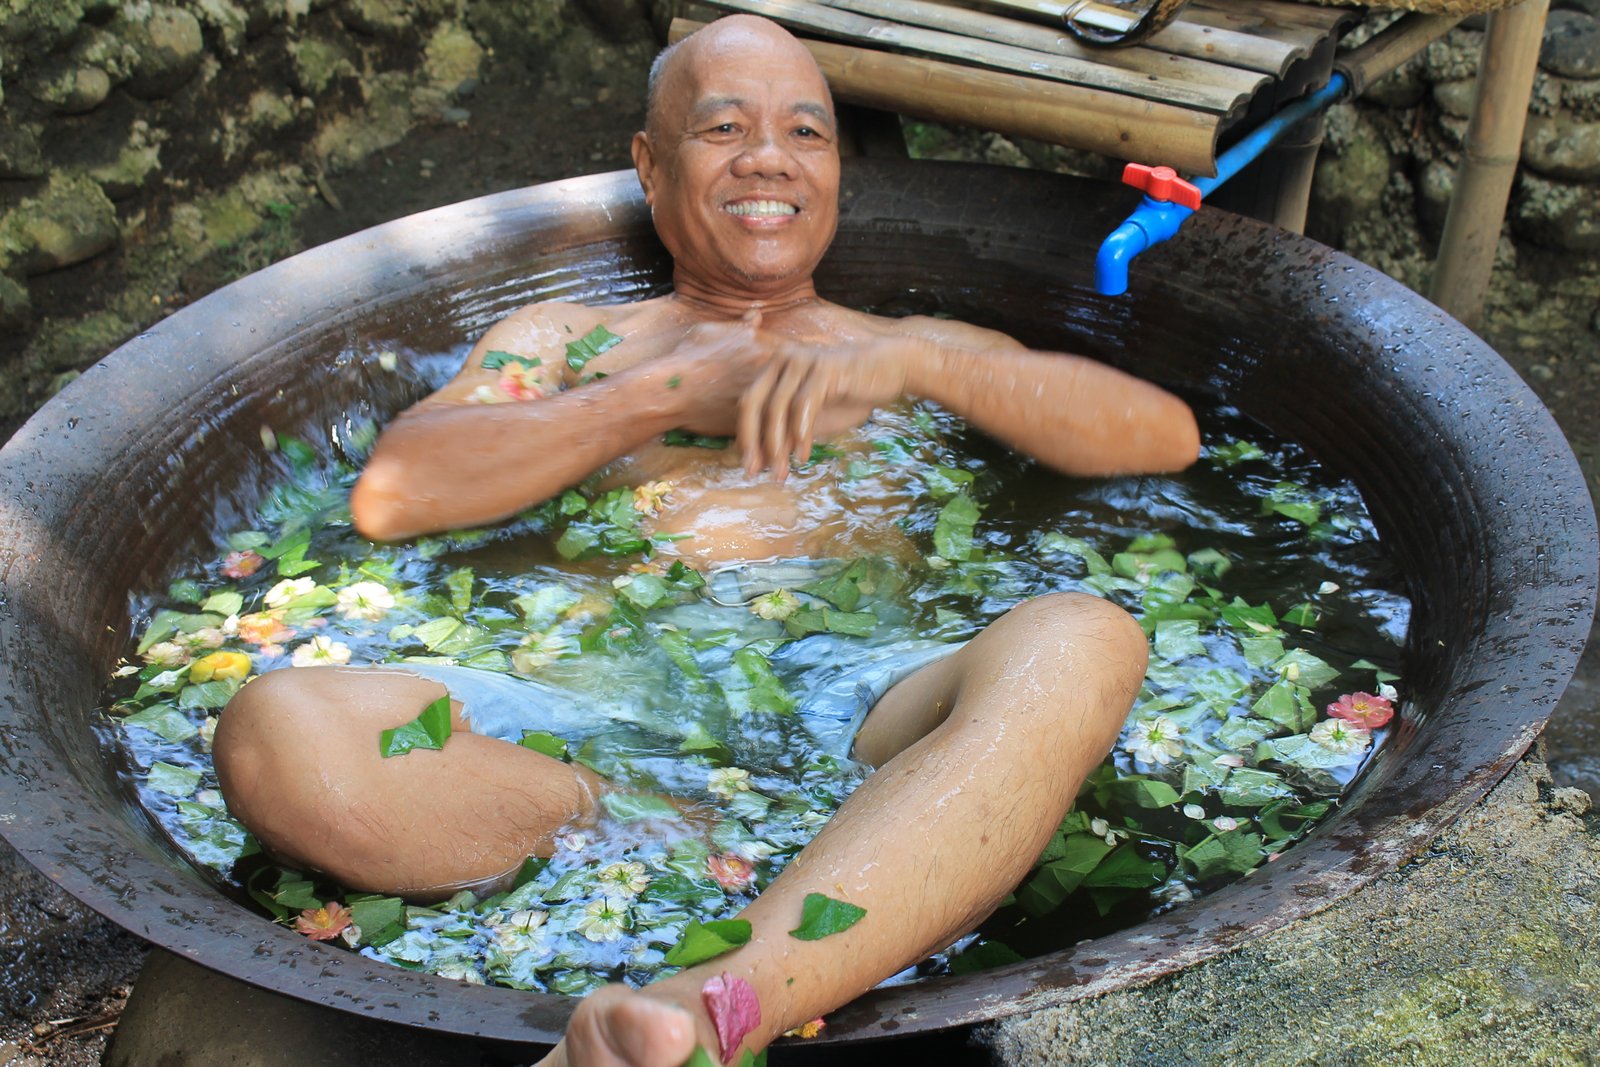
[{"x": 978, "y": 755}]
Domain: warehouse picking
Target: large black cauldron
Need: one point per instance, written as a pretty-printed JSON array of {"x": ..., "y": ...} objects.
[{"x": 1468, "y": 479}]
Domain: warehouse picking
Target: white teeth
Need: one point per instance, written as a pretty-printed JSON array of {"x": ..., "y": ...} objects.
[{"x": 761, "y": 208}]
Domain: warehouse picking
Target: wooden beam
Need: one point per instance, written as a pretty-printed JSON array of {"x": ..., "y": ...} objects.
[
  {"x": 1112, "y": 124},
  {"x": 1031, "y": 35},
  {"x": 880, "y": 33}
]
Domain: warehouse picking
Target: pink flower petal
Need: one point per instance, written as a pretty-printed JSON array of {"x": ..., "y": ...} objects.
[{"x": 734, "y": 1010}]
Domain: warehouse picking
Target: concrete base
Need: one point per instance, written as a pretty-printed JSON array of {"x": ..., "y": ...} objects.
[{"x": 1485, "y": 950}]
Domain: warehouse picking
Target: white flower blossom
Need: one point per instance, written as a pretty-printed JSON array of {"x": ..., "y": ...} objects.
[
  {"x": 604, "y": 919},
  {"x": 538, "y": 651},
  {"x": 726, "y": 781},
  {"x": 778, "y": 604},
  {"x": 166, "y": 679},
  {"x": 1342, "y": 737},
  {"x": 365, "y": 600},
  {"x": 623, "y": 879},
  {"x": 1155, "y": 740},
  {"x": 1230, "y": 760},
  {"x": 1225, "y": 824},
  {"x": 230, "y": 625},
  {"x": 208, "y": 731},
  {"x": 207, "y": 637},
  {"x": 166, "y": 654},
  {"x": 1194, "y": 811},
  {"x": 1328, "y": 587},
  {"x": 752, "y": 850},
  {"x": 573, "y": 842},
  {"x": 321, "y": 651},
  {"x": 1388, "y": 692},
  {"x": 288, "y": 589},
  {"x": 461, "y": 971}
]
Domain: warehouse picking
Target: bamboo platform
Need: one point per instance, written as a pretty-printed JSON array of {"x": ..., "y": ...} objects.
[{"x": 1166, "y": 101}]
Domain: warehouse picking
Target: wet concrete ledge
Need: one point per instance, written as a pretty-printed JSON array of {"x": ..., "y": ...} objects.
[{"x": 1483, "y": 950}]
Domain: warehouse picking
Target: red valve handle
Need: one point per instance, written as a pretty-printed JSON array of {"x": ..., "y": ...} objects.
[{"x": 1162, "y": 183}]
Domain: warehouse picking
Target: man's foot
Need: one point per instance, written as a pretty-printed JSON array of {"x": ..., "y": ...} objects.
[{"x": 620, "y": 1027}]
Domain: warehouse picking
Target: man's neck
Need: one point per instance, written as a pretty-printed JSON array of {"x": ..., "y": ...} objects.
[{"x": 710, "y": 301}]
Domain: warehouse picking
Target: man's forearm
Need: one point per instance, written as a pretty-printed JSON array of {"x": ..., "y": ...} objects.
[
  {"x": 1078, "y": 416},
  {"x": 450, "y": 466}
]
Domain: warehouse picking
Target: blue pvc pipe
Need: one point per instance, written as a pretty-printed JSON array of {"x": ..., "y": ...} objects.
[{"x": 1153, "y": 221}]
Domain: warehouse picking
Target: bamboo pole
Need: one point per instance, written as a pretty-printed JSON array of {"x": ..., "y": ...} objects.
[
  {"x": 1092, "y": 119},
  {"x": 837, "y": 22},
  {"x": 952, "y": 19},
  {"x": 1392, "y": 47},
  {"x": 1488, "y": 160}
]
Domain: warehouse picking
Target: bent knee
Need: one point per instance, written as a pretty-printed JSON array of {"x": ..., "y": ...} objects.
[{"x": 1057, "y": 617}]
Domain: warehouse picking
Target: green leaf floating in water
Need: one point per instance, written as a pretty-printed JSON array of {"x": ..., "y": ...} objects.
[
  {"x": 952, "y": 531},
  {"x": 496, "y": 360},
  {"x": 547, "y": 743},
  {"x": 428, "y": 730},
  {"x": 631, "y": 807},
  {"x": 708, "y": 940},
  {"x": 822, "y": 916},
  {"x": 842, "y": 590},
  {"x": 590, "y": 345},
  {"x": 172, "y": 780}
]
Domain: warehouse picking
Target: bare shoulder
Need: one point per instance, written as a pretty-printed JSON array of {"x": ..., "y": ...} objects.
[{"x": 953, "y": 333}]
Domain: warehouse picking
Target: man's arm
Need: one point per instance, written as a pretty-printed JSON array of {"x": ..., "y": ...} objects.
[
  {"x": 1073, "y": 414},
  {"x": 450, "y": 462}
]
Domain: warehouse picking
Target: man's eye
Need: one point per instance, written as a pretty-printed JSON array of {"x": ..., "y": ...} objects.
[
  {"x": 805, "y": 131},
  {"x": 726, "y": 127}
]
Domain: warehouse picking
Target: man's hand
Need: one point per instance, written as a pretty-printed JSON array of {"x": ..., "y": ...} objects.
[
  {"x": 712, "y": 368},
  {"x": 806, "y": 391}
]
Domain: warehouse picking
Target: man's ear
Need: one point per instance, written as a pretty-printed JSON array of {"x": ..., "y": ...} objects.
[{"x": 644, "y": 163}]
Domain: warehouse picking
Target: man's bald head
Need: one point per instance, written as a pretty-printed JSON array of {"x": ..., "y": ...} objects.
[{"x": 672, "y": 74}]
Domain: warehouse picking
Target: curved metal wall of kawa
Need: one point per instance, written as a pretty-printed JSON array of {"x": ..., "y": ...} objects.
[{"x": 1467, "y": 477}]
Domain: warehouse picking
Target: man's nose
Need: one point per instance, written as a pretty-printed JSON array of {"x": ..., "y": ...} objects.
[{"x": 766, "y": 156}]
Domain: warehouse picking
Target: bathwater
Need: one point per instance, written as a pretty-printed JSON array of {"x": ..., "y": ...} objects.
[{"x": 1275, "y": 625}]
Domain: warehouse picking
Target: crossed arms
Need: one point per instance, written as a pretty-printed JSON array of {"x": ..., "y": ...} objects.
[{"x": 448, "y": 463}]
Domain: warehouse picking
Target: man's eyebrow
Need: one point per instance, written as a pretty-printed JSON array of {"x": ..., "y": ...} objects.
[
  {"x": 816, "y": 111},
  {"x": 704, "y": 109}
]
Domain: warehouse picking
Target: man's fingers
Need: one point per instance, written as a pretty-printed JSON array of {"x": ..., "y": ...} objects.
[
  {"x": 780, "y": 438},
  {"x": 752, "y": 409},
  {"x": 805, "y": 424}
]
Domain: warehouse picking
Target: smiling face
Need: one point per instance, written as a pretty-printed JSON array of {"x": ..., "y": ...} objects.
[{"x": 740, "y": 162}]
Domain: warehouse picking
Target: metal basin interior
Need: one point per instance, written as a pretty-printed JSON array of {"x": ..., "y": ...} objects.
[{"x": 1466, "y": 475}]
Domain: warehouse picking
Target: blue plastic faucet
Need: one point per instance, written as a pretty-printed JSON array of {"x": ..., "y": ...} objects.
[{"x": 1169, "y": 199}]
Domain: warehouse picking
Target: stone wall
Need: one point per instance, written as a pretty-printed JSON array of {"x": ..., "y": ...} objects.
[{"x": 153, "y": 149}]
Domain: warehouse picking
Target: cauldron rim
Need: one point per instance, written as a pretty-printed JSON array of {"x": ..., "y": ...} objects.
[{"x": 141, "y": 895}]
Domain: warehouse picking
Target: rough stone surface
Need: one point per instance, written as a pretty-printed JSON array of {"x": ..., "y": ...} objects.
[
  {"x": 72, "y": 89},
  {"x": 1571, "y": 46},
  {"x": 71, "y": 221},
  {"x": 380, "y": 18},
  {"x": 1455, "y": 97},
  {"x": 1485, "y": 950},
  {"x": 169, "y": 49},
  {"x": 1352, "y": 170},
  {"x": 1560, "y": 215},
  {"x": 15, "y": 306},
  {"x": 452, "y": 60},
  {"x": 1453, "y": 56},
  {"x": 1560, "y": 146},
  {"x": 19, "y": 153},
  {"x": 318, "y": 61},
  {"x": 1434, "y": 186}
]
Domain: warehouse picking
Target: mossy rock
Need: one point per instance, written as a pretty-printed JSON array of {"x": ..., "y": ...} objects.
[
  {"x": 16, "y": 309},
  {"x": 69, "y": 222},
  {"x": 71, "y": 89},
  {"x": 168, "y": 48},
  {"x": 317, "y": 61}
]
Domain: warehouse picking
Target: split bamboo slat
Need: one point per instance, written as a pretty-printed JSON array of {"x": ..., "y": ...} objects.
[
  {"x": 1110, "y": 123},
  {"x": 1002, "y": 65}
]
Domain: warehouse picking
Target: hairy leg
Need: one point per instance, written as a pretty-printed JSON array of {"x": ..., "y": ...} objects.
[
  {"x": 929, "y": 844},
  {"x": 298, "y": 760}
]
